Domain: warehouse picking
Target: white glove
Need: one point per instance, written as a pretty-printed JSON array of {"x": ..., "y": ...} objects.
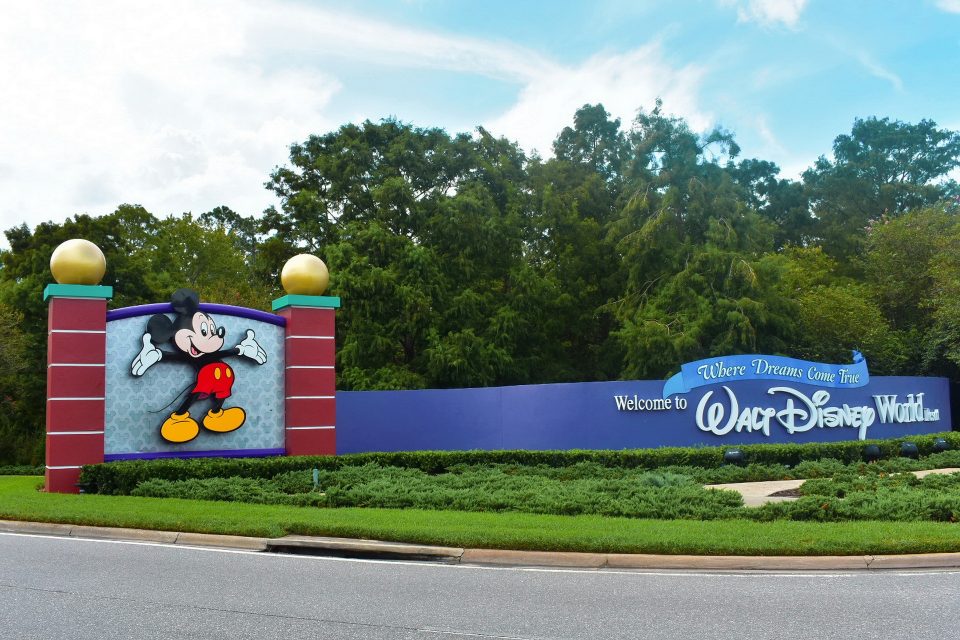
[
  {"x": 252, "y": 349},
  {"x": 147, "y": 357}
]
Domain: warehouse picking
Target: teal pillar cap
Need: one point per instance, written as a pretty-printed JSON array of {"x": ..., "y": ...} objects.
[
  {"x": 77, "y": 291},
  {"x": 323, "y": 302}
]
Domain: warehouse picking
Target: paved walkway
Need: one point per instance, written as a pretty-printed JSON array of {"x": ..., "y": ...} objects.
[{"x": 756, "y": 494}]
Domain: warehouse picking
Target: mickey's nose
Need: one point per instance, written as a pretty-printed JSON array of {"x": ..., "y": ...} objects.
[{"x": 221, "y": 331}]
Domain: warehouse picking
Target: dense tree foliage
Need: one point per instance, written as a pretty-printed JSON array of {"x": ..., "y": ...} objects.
[
  {"x": 461, "y": 261},
  {"x": 882, "y": 168}
]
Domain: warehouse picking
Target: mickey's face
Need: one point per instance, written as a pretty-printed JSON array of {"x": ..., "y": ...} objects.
[{"x": 202, "y": 337}]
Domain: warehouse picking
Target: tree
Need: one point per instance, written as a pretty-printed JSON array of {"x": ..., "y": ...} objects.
[
  {"x": 837, "y": 314},
  {"x": 19, "y": 397},
  {"x": 207, "y": 257},
  {"x": 899, "y": 261},
  {"x": 912, "y": 263},
  {"x": 942, "y": 346},
  {"x": 837, "y": 318},
  {"x": 882, "y": 168},
  {"x": 783, "y": 202},
  {"x": 725, "y": 300},
  {"x": 428, "y": 238},
  {"x": 696, "y": 283},
  {"x": 575, "y": 197},
  {"x": 594, "y": 141}
]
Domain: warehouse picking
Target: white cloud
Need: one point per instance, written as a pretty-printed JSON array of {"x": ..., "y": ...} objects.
[
  {"x": 160, "y": 104},
  {"x": 952, "y": 6},
  {"x": 312, "y": 31},
  {"x": 877, "y": 70},
  {"x": 772, "y": 146},
  {"x": 768, "y": 12},
  {"x": 183, "y": 106},
  {"x": 622, "y": 82},
  {"x": 846, "y": 47}
]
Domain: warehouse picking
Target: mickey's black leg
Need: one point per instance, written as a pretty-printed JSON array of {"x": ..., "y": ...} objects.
[{"x": 189, "y": 400}]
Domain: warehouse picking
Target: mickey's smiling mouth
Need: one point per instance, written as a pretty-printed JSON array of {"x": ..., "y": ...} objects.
[{"x": 193, "y": 350}]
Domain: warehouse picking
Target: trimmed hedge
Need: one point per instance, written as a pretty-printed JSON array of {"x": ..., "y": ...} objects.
[
  {"x": 120, "y": 478},
  {"x": 21, "y": 470}
]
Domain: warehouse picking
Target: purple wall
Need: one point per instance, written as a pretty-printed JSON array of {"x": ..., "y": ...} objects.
[{"x": 586, "y": 415}]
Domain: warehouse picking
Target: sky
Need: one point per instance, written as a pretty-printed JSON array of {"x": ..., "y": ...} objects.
[{"x": 182, "y": 106}]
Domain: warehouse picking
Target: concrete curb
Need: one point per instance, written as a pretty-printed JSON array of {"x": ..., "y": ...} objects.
[
  {"x": 351, "y": 548},
  {"x": 138, "y": 535}
]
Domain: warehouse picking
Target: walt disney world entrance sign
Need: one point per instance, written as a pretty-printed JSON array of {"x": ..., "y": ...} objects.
[
  {"x": 744, "y": 399},
  {"x": 184, "y": 378},
  {"x": 791, "y": 404}
]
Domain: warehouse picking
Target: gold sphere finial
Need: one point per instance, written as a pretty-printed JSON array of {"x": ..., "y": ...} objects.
[
  {"x": 305, "y": 275},
  {"x": 78, "y": 261}
]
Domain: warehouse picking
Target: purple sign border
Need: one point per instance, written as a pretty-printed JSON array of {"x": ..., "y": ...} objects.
[
  {"x": 225, "y": 309},
  {"x": 214, "y": 453}
]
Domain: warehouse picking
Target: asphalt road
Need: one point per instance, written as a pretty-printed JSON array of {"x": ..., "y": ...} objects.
[{"x": 68, "y": 588}]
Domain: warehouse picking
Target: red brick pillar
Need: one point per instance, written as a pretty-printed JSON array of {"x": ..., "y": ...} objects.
[
  {"x": 76, "y": 357},
  {"x": 310, "y": 376}
]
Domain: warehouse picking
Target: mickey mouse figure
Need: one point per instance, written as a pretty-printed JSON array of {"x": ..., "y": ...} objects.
[{"x": 198, "y": 341}]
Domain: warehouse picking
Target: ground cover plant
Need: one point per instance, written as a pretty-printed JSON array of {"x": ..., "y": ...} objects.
[
  {"x": 582, "y": 489},
  {"x": 882, "y": 490},
  {"x": 871, "y": 495}
]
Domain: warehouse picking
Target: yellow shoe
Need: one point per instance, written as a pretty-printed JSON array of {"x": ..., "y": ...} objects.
[
  {"x": 179, "y": 427},
  {"x": 224, "y": 420}
]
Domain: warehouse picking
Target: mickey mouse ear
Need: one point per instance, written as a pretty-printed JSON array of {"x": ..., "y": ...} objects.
[
  {"x": 160, "y": 329},
  {"x": 185, "y": 301}
]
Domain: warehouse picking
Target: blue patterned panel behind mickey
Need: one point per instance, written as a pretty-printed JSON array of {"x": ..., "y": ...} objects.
[{"x": 196, "y": 339}]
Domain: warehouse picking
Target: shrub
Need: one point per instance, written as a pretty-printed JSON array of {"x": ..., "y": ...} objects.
[
  {"x": 21, "y": 470},
  {"x": 123, "y": 477}
]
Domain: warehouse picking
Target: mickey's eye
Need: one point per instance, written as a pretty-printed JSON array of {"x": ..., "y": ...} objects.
[{"x": 203, "y": 329}]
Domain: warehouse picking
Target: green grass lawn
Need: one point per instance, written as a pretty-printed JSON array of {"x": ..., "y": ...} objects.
[{"x": 20, "y": 500}]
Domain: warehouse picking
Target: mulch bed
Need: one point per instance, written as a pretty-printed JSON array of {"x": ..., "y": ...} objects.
[{"x": 786, "y": 493}]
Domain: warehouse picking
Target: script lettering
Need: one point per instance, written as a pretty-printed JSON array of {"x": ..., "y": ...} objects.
[{"x": 799, "y": 414}]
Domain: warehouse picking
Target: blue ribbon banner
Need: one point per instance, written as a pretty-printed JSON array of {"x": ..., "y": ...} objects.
[{"x": 760, "y": 367}]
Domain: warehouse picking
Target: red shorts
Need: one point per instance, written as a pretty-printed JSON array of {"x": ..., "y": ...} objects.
[{"x": 215, "y": 379}]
